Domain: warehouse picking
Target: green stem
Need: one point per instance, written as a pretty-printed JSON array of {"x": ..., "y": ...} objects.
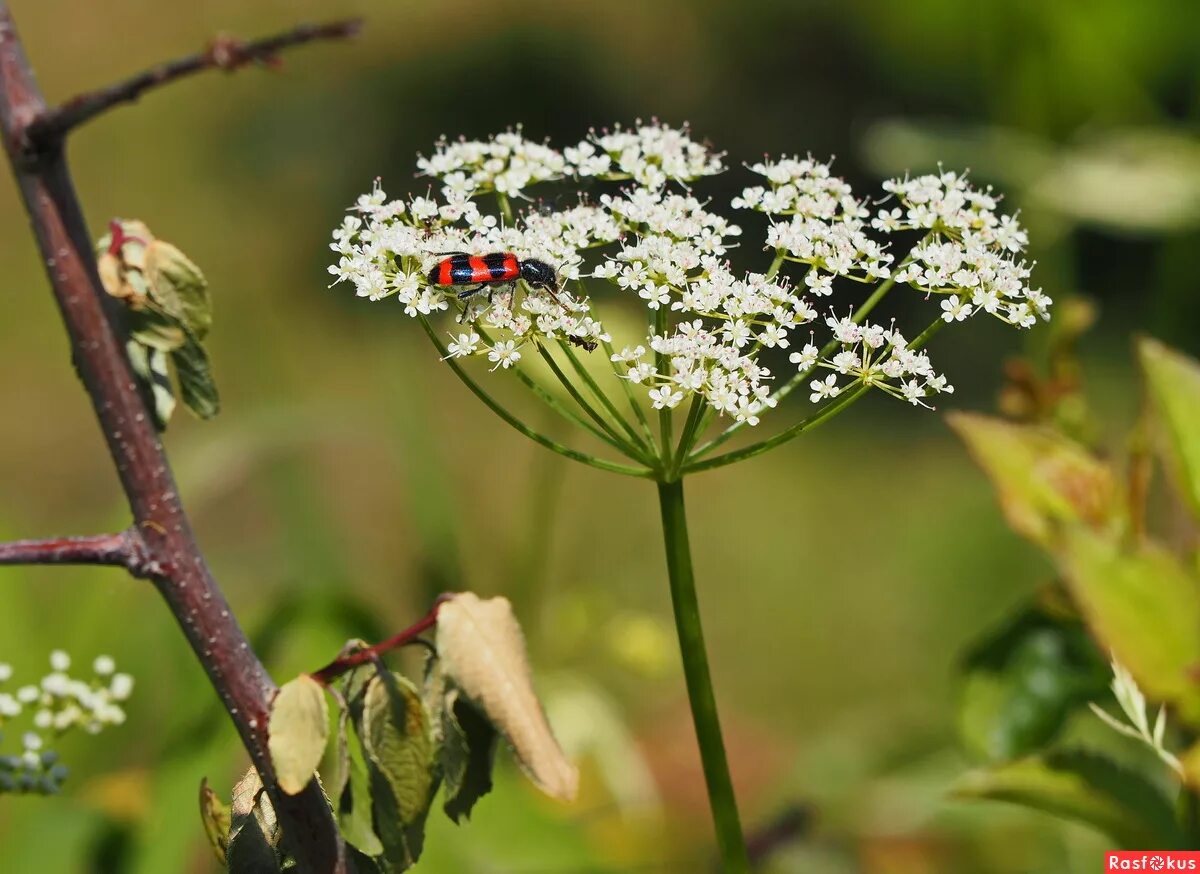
[
  {"x": 505, "y": 207},
  {"x": 687, "y": 437},
  {"x": 602, "y": 397},
  {"x": 614, "y": 437},
  {"x": 633, "y": 401},
  {"x": 773, "y": 270},
  {"x": 660, "y": 364},
  {"x": 551, "y": 401},
  {"x": 721, "y": 798},
  {"x": 516, "y": 423}
]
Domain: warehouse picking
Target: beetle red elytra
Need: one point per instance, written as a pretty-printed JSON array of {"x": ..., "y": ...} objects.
[{"x": 496, "y": 269}]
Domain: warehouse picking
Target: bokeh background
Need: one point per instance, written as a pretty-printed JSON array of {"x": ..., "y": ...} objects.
[{"x": 350, "y": 477}]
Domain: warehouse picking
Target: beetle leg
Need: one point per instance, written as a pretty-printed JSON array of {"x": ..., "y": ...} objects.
[{"x": 463, "y": 295}]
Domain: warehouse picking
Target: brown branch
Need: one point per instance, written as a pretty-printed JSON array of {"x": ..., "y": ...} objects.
[
  {"x": 182, "y": 576},
  {"x": 223, "y": 53},
  {"x": 349, "y": 660},
  {"x": 126, "y": 549}
]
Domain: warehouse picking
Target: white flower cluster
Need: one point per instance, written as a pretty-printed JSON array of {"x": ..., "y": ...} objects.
[
  {"x": 649, "y": 154},
  {"x": 507, "y": 163},
  {"x": 969, "y": 251},
  {"x": 655, "y": 240},
  {"x": 58, "y": 703},
  {"x": 873, "y": 356}
]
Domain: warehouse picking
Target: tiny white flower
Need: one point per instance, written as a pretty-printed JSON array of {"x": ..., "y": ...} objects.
[
  {"x": 60, "y": 661},
  {"x": 805, "y": 358},
  {"x": 665, "y": 398},
  {"x": 504, "y": 353},
  {"x": 104, "y": 665},
  {"x": 826, "y": 388},
  {"x": 955, "y": 310},
  {"x": 121, "y": 686}
]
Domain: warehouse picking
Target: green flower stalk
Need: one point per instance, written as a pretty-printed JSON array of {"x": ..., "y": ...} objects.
[{"x": 660, "y": 400}]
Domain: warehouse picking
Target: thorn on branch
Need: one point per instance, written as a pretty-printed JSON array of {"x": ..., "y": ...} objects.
[
  {"x": 126, "y": 549},
  {"x": 224, "y": 52}
]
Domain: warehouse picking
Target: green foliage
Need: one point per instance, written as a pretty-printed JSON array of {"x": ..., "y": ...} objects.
[
  {"x": 394, "y": 745},
  {"x": 297, "y": 733},
  {"x": 168, "y": 313},
  {"x": 1137, "y": 597},
  {"x": 1085, "y": 787},
  {"x": 1173, "y": 383},
  {"x": 1023, "y": 681}
]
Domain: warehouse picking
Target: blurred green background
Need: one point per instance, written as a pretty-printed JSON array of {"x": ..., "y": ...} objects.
[{"x": 350, "y": 477}]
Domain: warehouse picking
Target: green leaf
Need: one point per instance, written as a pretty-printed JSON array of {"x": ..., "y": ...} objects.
[
  {"x": 177, "y": 285},
  {"x": 1043, "y": 479},
  {"x": 217, "y": 820},
  {"x": 397, "y": 741},
  {"x": 466, "y": 755},
  {"x": 254, "y": 831},
  {"x": 156, "y": 329},
  {"x": 1023, "y": 681},
  {"x": 354, "y": 804},
  {"x": 1084, "y": 787},
  {"x": 298, "y": 731},
  {"x": 1173, "y": 382},
  {"x": 1144, "y": 606},
  {"x": 402, "y": 840},
  {"x": 196, "y": 387},
  {"x": 339, "y": 770},
  {"x": 150, "y": 367},
  {"x": 482, "y": 651}
]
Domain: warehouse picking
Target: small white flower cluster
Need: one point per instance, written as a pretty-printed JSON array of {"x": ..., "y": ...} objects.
[
  {"x": 649, "y": 154},
  {"x": 507, "y": 163},
  {"x": 969, "y": 252},
  {"x": 827, "y": 228},
  {"x": 873, "y": 356},
  {"x": 709, "y": 325},
  {"x": 58, "y": 704}
]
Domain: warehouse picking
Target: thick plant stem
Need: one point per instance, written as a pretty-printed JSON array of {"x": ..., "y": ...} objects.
[{"x": 730, "y": 840}]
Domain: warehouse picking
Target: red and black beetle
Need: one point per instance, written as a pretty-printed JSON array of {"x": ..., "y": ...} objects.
[{"x": 498, "y": 268}]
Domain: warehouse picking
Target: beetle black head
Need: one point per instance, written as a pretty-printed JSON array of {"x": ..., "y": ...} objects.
[{"x": 539, "y": 274}]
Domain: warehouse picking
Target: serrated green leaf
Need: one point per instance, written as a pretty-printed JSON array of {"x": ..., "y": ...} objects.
[
  {"x": 1023, "y": 681},
  {"x": 466, "y": 756},
  {"x": 354, "y": 805},
  {"x": 1084, "y": 787},
  {"x": 197, "y": 389},
  {"x": 1043, "y": 480},
  {"x": 396, "y": 738},
  {"x": 297, "y": 732},
  {"x": 177, "y": 285},
  {"x": 1145, "y": 607},
  {"x": 254, "y": 830},
  {"x": 217, "y": 820},
  {"x": 1173, "y": 382}
]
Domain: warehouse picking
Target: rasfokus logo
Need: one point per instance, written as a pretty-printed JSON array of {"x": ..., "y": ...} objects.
[{"x": 1152, "y": 860}]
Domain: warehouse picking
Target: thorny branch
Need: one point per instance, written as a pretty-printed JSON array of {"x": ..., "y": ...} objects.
[
  {"x": 33, "y": 138},
  {"x": 222, "y": 53}
]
